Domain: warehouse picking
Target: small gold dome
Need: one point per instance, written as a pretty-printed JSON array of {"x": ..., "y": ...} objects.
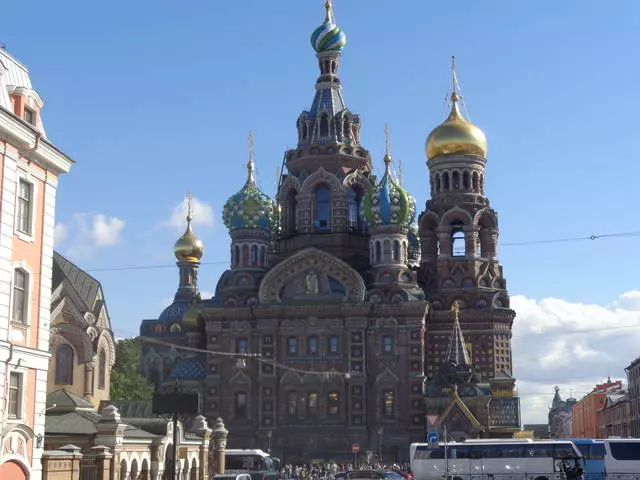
[
  {"x": 188, "y": 248},
  {"x": 456, "y": 136}
]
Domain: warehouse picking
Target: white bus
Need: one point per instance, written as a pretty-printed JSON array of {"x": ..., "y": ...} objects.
[
  {"x": 622, "y": 458},
  {"x": 500, "y": 459},
  {"x": 259, "y": 464}
]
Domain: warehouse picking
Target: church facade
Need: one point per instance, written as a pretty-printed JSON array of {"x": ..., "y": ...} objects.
[{"x": 337, "y": 320}]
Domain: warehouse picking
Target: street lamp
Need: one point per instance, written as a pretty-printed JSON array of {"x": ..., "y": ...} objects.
[{"x": 269, "y": 435}]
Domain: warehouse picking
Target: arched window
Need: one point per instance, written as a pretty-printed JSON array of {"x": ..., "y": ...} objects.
[
  {"x": 458, "y": 244},
  {"x": 333, "y": 403},
  {"x": 456, "y": 180},
  {"x": 387, "y": 345},
  {"x": 346, "y": 129},
  {"x": 388, "y": 403},
  {"x": 378, "y": 251},
  {"x": 292, "y": 403},
  {"x": 386, "y": 251},
  {"x": 102, "y": 369},
  {"x": 245, "y": 255},
  {"x": 292, "y": 205},
  {"x": 476, "y": 183},
  {"x": 465, "y": 180},
  {"x": 236, "y": 258},
  {"x": 305, "y": 131},
  {"x": 353, "y": 198},
  {"x": 445, "y": 181},
  {"x": 263, "y": 256},
  {"x": 64, "y": 365},
  {"x": 395, "y": 254},
  {"x": 438, "y": 183},
  {"x": 254, "y": 255},
  {"x": 324, "y": 126},
  {"x": 240, "y": 407},
  {"x": 323, "y": 208}
]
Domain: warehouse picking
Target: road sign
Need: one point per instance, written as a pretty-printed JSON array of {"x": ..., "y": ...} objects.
[
  {"x": 355, "y": 448},
  {"x": 433, "y": 437}
]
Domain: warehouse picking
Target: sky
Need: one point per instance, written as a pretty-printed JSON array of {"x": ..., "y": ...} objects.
[{"x": 156, "y": 98}]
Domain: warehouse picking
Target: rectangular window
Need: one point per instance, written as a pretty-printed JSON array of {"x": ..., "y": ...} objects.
[
  {"x": 387, "y": 345},
  {"x": 292, "y": 346},
  {"x": 20, "y": 284},
  {"x": 30, "y": 116},
  {"x": 241, "y": 406},
  {"x": 15, "y": 395},
  {"x": 312, "y": 346},
  {"x": 333, "y": 345},
  {"x": 25, "y": 206},
  {"x": 313, "y": 404},
  {"x": 242, "y": 345},
  {"x": 388, "y": 403}
]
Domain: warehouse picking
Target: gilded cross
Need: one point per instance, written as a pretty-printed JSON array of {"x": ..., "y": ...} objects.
[
  {"x": 455, "y": 308},
  {"x": 189, "y": 206}
]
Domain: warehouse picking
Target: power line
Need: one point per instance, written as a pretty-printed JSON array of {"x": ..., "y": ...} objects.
[{"x": 507, "y": 244}]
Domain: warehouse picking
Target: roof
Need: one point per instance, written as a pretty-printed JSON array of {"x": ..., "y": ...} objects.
[
  {"x": 189, "y": 368},
  {"x": 71, "y": 423},
  {"x": 12, "y": 73},
  {"x": 84, "y": 284},
  {"x": 63, "y": 399}
]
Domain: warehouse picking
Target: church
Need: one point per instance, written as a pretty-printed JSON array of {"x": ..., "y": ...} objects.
[{"x": 346, "y": 319}]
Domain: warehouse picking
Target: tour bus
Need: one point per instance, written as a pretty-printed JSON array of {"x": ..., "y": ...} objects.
[
  {"x": 259, "y": 464},
  {"x": 503, "y": 459},
  {"x": 593, "y": 453},
  {"x": 622, "y": 459}
]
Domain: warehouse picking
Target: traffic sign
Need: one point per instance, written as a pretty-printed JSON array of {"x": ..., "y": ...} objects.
[
  {"x": 355, "y": 448},
  {"x": 433, "y": 437}
]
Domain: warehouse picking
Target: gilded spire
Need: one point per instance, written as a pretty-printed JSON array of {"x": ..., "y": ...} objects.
[
  {"x": 329, "y": 18},
  {"x": 457, "y": 353},
  {"x": 387, "y": 146},
  {"x": 189, "y": 248},
  {"x": 250, "y": 165}
]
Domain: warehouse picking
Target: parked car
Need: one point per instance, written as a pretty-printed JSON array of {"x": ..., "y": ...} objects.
[{"x": 232, "y": 476}]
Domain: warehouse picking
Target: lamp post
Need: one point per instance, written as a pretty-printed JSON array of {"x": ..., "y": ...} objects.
[
  {"x": 380, "y": 434},
  {"x": 269, "y": 435}
]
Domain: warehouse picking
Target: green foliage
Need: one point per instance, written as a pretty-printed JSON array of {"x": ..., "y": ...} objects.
[{"x": 126, "y": 381}]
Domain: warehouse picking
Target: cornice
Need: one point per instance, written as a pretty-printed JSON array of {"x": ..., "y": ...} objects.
[{"x": 31, "y": 143}]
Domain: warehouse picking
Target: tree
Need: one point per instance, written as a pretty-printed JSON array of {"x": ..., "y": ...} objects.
[{"x": 127, "y": 383}]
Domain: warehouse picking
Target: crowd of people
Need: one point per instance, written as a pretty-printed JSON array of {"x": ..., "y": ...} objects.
[{"x": 326, "y": 471}]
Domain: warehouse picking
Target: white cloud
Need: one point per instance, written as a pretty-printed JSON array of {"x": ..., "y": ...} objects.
[
  {"x": 60, "y": 234},
  {"x": 572, "y": 345},
  {"x": 90, "y": 231},
  {"x": 202, "y": 215}
]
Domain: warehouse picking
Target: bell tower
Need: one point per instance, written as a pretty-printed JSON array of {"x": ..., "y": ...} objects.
[{"x": 459, "y": 263}]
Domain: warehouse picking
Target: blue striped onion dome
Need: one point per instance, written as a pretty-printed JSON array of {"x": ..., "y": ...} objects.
[
  {"x": 388, "y": 203},
  {"x": 328, "y": 37},
  {"x": 250, "y": 207}
]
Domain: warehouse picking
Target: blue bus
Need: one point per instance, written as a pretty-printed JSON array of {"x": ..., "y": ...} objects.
[{"x": 593, "y": 453}]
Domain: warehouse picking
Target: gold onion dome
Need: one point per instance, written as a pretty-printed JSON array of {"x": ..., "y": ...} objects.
[
  {"x": 188, "y": 248},
  {"x": 456, "y": 136}
]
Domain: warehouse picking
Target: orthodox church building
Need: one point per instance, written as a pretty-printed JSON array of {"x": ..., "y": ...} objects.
[{"x": 344, "y": 318}]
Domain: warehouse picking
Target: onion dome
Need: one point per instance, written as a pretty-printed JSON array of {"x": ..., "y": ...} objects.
[
  {"x": 188, "y": 248},
  {"x": 388, "y": 203},
  {"x": 456, "y": 136},
  {"x": 328, "y": 37},
  {"x": 174, "y": 312},
  {"x": 249, "y": 208}
]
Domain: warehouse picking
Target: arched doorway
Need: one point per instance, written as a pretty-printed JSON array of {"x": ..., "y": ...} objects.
[
  {"x": 144, "y": 470},
  {"x": 168, "y": 463},
  {"x": 12, "y": 471},
  {"x": 194, "y": 470},
  {"x": 134, "y": 470},
  {"x": 123, "y": 470}
]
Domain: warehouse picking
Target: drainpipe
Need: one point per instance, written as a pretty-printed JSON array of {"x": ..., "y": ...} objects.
[{"x": 5, "y": 409}]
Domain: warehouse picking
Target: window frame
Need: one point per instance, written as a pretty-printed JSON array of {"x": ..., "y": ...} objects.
[
  {"x": 333, "y": 403},
  {"x": 19, "y": 389},
  {"x": 26, "y": 295},
  {"x": 29, "y": 232},
  {"x": 387, "y": 341},
  {"x": 102, "y": 369},
  {"x": 59, "y": 380},
  {"x": 330, "y": 352},
  {"x": 322, "y": 205},
  {"x": 240, "y": 412},
  {"x": 292, "y": 341},
  {"x": 315, "y": 342},
  {"x": 34, "y": 116},
  {"x": 239, "y": 342},
  {"x": 389, "y": 411}
]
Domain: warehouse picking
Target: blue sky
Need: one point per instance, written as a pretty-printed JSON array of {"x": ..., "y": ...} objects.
[{"x": 154, "y": 98}]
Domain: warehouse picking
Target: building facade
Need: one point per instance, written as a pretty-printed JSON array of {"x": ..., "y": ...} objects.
[
  {"x": 29, "y": 169},
  {"x": 81, "y": 341},
  {"x": 584, "y": 417},
  {"x": 614, "y": 416},
  {"x": 326, "y": 296},
  {"x": 560, "y": 416},
  {"x": 633, "y": 393}
]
